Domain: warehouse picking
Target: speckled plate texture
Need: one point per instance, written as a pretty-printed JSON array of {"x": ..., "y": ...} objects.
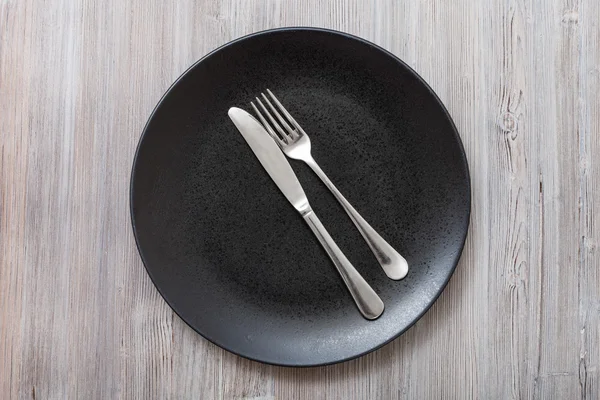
[{"x": 234, "y": 259}]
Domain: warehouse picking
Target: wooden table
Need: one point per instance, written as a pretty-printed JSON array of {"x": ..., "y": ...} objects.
[{"x": 79, "y": 317}]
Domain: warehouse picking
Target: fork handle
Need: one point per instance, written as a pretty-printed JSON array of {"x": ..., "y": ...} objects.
[
  {"x": 367, "y": 301},
  {"x": 393, "y": 264}
]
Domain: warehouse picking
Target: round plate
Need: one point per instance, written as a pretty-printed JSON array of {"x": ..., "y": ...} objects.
[{"x": 234, "y": 259}]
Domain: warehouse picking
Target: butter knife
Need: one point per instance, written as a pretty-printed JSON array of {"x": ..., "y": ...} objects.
[{"x": 277, "y": 166}]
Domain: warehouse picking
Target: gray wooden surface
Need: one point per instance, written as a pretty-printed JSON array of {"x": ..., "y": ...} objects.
[{"x": 79, "y": 317}]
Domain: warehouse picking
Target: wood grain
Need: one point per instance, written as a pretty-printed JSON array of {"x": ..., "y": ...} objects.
[{"x": 79, "y": 317}]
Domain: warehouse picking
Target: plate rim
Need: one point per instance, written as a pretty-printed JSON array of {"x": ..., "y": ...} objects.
[{"x": 347, "y": 36}]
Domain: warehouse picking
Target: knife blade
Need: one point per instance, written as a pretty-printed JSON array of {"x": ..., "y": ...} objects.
[{"x": 271, "y": 158}]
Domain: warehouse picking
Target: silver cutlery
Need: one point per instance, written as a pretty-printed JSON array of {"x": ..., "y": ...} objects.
[
  {"x": 275, "y": 163},
  {"x": 294, "y": 142}
]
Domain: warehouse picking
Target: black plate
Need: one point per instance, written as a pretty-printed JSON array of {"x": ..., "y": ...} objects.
[{"x": 233, "y": 258}]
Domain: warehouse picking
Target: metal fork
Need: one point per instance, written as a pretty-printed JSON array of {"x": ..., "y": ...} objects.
[{"x": 294, "y": 142}]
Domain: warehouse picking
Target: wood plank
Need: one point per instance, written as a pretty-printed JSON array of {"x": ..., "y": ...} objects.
[
  {"x": 589, "y": 205},
  {"x": 558, "y": 165},
  {"x": 14, "y": 128},
  {"x": 511, "y": 280}
]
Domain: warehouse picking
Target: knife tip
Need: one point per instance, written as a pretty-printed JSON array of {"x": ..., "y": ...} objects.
[{"x": 233, "y": 110}]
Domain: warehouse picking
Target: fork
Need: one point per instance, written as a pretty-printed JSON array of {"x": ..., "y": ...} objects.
[{"x": 294, "y": 142}]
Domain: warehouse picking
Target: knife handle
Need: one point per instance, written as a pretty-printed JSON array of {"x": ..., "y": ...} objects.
[{"x": 367, "y": 301}]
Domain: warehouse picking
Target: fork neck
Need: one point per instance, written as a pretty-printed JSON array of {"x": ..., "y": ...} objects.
[
  {"x": 315, "y": 167},
  {"x": 310, "y": 161}
]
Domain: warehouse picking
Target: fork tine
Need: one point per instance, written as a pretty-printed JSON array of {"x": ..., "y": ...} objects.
[
  {"x": 265, "y": 123},
  {"x": 282, "y": 136},
  {"x": 288, "y": 128},
  {"x": 286, "y": 113}
]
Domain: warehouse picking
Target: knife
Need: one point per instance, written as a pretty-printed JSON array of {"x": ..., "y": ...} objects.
[{"x": 277, "y": 166}]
